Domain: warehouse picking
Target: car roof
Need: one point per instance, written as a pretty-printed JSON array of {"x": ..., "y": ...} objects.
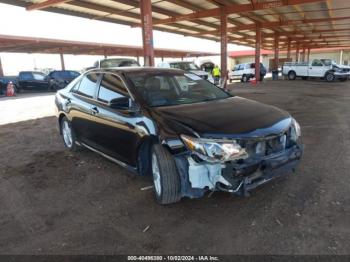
[
  {"x": 32, "y": 72},
  {"x": 137, "y": 70},
  {"x": 180, "y": 62}
]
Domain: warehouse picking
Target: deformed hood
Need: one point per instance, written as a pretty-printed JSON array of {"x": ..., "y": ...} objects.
[{"x": 227, "y": 118}]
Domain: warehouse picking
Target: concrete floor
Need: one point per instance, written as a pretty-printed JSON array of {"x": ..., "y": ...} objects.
[{"x": 55, "y": 202}]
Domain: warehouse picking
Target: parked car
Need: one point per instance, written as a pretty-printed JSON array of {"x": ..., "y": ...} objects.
[
  {"x": 246, "y": 71},
  {"x": 317, "y": 68},
  {"x": 189, "y": 134},
  {"x": 4, "y": 82},
  {"x": 31, "y": 80},
  {"x": 116, "y": 62},
  {"x": 59, "y": 79},
  {"x": 188, "y": 67}
]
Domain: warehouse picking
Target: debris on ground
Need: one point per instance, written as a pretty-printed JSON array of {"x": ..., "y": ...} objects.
[
  {"x": 146, "y": 188},
  {"x": 146, "y": 228}
]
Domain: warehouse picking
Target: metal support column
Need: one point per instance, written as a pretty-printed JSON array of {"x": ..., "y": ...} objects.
[
  {"x": 308, "y": 55},
  {"x": 297, "y": 53},
  {"x": 1, "y": 69},
  {"x": 276, "y": 46},
  {"x": 223, "y": 33},
  {"x": 341, "y": 57},
  {"x": 147, "y": 32},
  {"x": 257, "y": 51},
  {"x": 63, "y": 67},
  {"x": 288, "y": 50},
  {"x": 303, "y": 56}
]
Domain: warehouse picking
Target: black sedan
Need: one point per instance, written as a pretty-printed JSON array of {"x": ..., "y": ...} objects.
[{"x": 190, "y": 135}]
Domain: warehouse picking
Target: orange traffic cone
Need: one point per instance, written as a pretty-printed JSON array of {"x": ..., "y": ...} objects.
[{"x": 10, "y": 90}]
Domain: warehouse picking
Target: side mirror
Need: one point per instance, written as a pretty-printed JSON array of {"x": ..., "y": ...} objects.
[{"x": 120, "y": 103}]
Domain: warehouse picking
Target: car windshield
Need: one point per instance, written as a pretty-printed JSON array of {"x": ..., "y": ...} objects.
[
  {"x": 185, "y": 66},
  {"x": 168, "y": 89},
  {"x": 119, "y": 63}
]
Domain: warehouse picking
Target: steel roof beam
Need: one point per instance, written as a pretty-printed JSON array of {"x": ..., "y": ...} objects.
[
  {"x": 273, "y": 25},
  {"x": 45, "y": 4}
]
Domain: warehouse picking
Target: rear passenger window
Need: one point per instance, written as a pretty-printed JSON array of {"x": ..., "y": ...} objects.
[
  {"x": 87, "y": 85},
  {"x": 111, "y": 87}
]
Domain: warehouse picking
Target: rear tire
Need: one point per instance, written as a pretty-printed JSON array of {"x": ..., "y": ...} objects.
[
  {"x": 68, "y": 135},
  {"x": 292, "y": 75},
  {"x": 166, "y": 179},
  {"x": 245, "y": 78},
  {"x": 330, "y": 77}
]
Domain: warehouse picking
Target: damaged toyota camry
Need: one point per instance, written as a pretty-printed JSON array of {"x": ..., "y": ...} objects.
[{"x": 190, "y": 136}]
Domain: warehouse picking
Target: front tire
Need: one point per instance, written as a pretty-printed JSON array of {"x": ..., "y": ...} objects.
[
  {"x": 68, "y": 135},
  {"x": 245, "y": 78},
  {"x": 166, "y": 179},
  {"x": 330, "y": 77}
]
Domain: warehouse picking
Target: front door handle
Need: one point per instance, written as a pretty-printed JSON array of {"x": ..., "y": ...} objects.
[{"x": 94, "y": 110}]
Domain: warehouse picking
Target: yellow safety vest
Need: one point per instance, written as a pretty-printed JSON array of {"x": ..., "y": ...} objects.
[{"x": 216, "y": 71}]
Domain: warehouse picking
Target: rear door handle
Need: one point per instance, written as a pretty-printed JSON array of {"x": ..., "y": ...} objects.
[{"x": 94, "y": 110}]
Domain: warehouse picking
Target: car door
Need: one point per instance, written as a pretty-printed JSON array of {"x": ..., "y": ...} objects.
[
  {"x": 114, "y": 130},
  {"x": 316, "y": 69},
  {"x": 26, "y": 80},
  {"x": 238, "y": 71},
  {"x": 40, "y": 81},
  {"x": 80, "y": 105}
]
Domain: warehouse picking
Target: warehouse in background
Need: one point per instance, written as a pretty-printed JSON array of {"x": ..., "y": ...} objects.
[{"x": 339, "y": 55}]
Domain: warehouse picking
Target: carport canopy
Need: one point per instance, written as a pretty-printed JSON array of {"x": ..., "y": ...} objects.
[{"x": 268, "y": 24}]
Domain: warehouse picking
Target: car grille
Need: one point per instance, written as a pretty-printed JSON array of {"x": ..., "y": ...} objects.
[{"x": 268, "y": 145}]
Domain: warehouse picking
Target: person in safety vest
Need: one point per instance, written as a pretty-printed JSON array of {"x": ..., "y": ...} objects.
[{"x": 216, "y": 74}]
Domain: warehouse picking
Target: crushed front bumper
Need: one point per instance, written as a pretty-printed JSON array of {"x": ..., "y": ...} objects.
[{"x": 235, "y": 177}]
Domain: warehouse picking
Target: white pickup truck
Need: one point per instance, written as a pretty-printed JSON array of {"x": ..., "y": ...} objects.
[{"x": 318, "y": 68}]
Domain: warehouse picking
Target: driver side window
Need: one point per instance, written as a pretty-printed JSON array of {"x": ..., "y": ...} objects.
[{"x": 316, "y": 62}]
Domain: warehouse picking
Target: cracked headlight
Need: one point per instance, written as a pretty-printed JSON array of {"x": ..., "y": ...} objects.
[
  {"x": 214, "y": 151},
  {"x": 295, "y": 131}
]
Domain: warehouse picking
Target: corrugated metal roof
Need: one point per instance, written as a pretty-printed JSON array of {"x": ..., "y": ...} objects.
[{"x": 312, "y": 23}]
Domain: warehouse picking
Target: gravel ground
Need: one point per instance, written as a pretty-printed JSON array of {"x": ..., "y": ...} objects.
[{"x": 55, "y": 202}]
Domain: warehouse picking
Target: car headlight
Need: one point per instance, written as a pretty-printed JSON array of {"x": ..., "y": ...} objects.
[
  {"x": 214, "y": 151},
  {"x": 295, "y": 131}
]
